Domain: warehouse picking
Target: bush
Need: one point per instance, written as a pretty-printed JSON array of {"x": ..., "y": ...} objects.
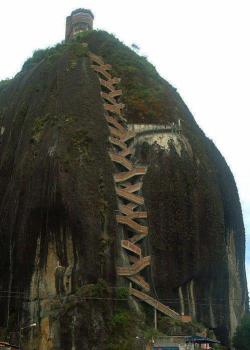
[
  {"x": 122, "y": 293},
  {"x": 125, "y": 326},
  {"x": 4, "y": 83},
  {"x": 241, "y": 339},
  {"x": 121, "y": 322}
]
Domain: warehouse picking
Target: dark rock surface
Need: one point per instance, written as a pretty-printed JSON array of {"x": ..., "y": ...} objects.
[{"x": 57, "y": 197}]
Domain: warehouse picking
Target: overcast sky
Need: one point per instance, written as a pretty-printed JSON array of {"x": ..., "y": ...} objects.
[{"x": 200, "y": 46}]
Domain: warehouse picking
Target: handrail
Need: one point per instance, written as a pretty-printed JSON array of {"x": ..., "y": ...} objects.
[
  {"x": 103, "y": 70},
  {"x": 155, "y": 303},
  {"x": 116, "y": 108},
  {"x": 108, "y": 84},
  {"x": 124, "y": 209},
  {"x": 130, "y": 196},
  {"x": 118, "y": 143},
  {"x": 132, "y": 224},
  {"x": 126, "y": 175},
  {"x": 121, "y": 160},
  {"x": 135, "y": 268},
  {"x": 115, "y": 123},
  {"x": 96, "y": 59},
  {"x": 133, "y": 188},
  {"x": 126, "y": 244},
  {"x": 140, "y": 281}
]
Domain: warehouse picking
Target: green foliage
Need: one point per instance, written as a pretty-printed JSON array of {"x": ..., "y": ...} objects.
[
  {"x": 122, "y": 293},
  {"x": 49, "y": 120},
  {"x": 123, "y": 330},
  {"x": 81, "y": 36},
  {"x": 151, "y": 333},
  {"x": 97, "y": 290},
  {"x": 84, "y": 294},
  {"x": 78, "y": 49},
  {"x": 219, "y": 347},
  {"x": 101, "y": 289},
  {"x": 40, "y": 55},
  {"x": 4, "y": 83},
  {"x": 81, "y": 143},
  {"x": 170, "y": 327},
  {"x": 144, "y": 90},
  {"x": 52, "y": 53},
  {"x": 121, "y": 321},
  {"x": 241, "y": 339}
]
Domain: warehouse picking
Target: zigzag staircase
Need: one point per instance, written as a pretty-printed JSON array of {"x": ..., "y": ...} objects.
[{"x": 128, "y": 181}]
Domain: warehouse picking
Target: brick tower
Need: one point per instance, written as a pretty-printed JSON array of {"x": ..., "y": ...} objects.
[{"x": 79, "y": 21}]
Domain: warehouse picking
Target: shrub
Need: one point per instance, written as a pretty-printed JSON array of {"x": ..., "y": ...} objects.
[{"x": 241, "y": 339}]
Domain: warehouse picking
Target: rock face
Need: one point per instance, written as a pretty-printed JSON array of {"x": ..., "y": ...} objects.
[
  {"x": 56, "y": 186},
  {"x": 57, "y": 223}
]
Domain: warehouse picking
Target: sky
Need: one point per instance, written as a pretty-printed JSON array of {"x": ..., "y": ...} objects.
[{"x": 200, "y": 46}]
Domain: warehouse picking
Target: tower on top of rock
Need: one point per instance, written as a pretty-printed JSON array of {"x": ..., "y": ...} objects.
[{"x": 80, "y": 20}]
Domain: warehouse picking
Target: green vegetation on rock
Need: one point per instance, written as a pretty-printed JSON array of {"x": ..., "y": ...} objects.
[
  {"x": 56, "y": 186},
  {"x": 241, "y": 339}
]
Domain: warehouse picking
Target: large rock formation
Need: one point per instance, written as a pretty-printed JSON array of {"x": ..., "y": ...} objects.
[{"x": 57, "y": 215}]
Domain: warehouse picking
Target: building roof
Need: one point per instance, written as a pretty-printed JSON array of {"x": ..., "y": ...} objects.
[
  {"x": 82, "y": 10},
  {"x": 201, "y": 340}
]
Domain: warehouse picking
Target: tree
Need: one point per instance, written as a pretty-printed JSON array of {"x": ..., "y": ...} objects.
[
  {"x": 241, "y": 339},
  {"x": 135, "y": 47}
]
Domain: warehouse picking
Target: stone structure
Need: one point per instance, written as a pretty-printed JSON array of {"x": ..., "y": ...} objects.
[{"x": 79, "y": 21}]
